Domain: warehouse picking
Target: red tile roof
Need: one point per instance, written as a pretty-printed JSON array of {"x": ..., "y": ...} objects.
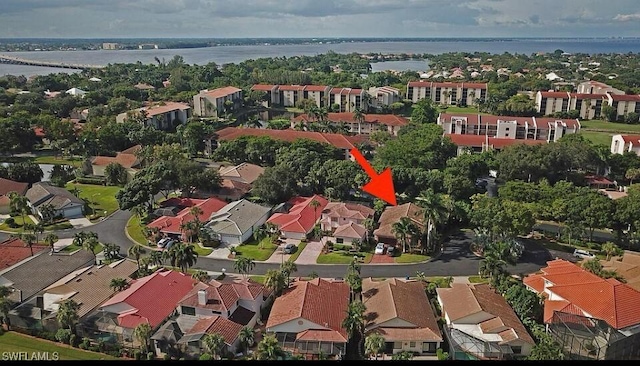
[
  {"x": 545, "y": 121},
  {"x": 319, "y": 301},
  {"x": 625, "y": 97},
  {"x": 496, "y": 143},
  {"x": 337, "y": 140},
  {"x": 14, "y": 250},
  {"x": 169, "y": 224},
  {"x": 315, "y": 88},
  {"x": 164, "y": 108},
  {"x": 393, "y": 214},
  {"x": 429, "y": 84},
  {"x": 153, "y": 298},
  {"x": 263, "y": 87},
  {"x": 387, "y": 119},
  {"x": 634, "y": 139},
  {"x": 223, "y": 295},
  {"x": 616, "y": 302},
  {"x": 8, "y": 185},
  {"x": 220, "y": 92},
  {"x": 290, "y": 87},
  {"x": 597, "y": 179},
  {"x": 301, "y": 217},
  {"x": 228, "y": 329},
  {"x": 320, "y": 335},
  {"x": 126, "y": 160},
  {"x": 487, "y": 119},
  {"x": 547, "y": 94},
  {"x": 346, "y": 91}
]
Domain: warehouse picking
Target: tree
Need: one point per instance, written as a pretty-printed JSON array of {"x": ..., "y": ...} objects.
[
  {"x": 200, "y": 276},
  {"x": 632, "y": 174},
  {"x": 115, "y": 174},
  {"x": 118, "y": 284},
  {"x": 423, "y": 112},
  {"x": 434, "y": 213},
  {"x": 142, "y": 332},
  {"x": 29, "y": 239},
  {"x": 67, "y": 315},
  {"x": 194, "y": 134},
  {"x": 156, "y": 258},
  {"x": 373, "y": 344},
  {"x": 610, "y": 249},
  {"x": 20, "y": 204},
  {"x": 404, "y": 230},
  {"x": 246, "y": 338},
  {"x": 244, "y": 265},
  {"x": 185, "y": 255},
  {"x": 277, "y": 184},
  {"x": 269, "y": 348},
  {"x": 213, "y": 344},
  {"x": 314, "y": 205},
  {"x": 90, "y": 245},
  {"x": 136, "y": 252},
  {"x": 48, "y": 213},
  {"x": 287, "y": 268},
  {"x": 50, "y": 239},
  {"x": 275, "y": 280},
  {"x": 111, "y": 251},
  {"x": 354, "y": 322}
]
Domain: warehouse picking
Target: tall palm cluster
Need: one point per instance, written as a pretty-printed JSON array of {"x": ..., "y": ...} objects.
[{"x": 181, "y": 255}]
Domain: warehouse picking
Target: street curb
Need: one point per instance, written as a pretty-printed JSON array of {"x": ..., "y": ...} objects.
[{"x": 126, "y": 232}]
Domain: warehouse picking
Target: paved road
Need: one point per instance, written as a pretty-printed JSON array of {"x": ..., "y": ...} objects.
[{"x": 455, "y": 260}]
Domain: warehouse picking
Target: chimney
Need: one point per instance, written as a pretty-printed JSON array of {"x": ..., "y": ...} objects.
[{"x": 202, "y": 297}]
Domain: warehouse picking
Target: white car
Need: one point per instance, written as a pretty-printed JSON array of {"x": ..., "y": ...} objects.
[
  {"x": 379, "y": 249},
  {"x": 583, "y": 254}
]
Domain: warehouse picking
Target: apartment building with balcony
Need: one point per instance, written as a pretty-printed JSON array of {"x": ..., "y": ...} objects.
[
  {"x": 446, "y": 92},
  {"x": 211, "y": 103}
]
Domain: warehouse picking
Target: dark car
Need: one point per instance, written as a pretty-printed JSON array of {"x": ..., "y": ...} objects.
[
  {"x": 289, "y": 249},
  {"x": 391, "y": 251}
]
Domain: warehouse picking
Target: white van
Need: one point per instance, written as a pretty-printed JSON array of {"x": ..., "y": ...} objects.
[{"x": 580, "y": 253}]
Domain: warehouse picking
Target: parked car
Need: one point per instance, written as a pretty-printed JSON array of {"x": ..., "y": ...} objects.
[
  {"x": 162, "y": 242},
  {"x": 379, "y": 248},
  {"x": 169, "y": 244},
  {"x": 289, "y": 249},
  {"x": 391, "y": 251},
  {"x": 583, "y": 254}
]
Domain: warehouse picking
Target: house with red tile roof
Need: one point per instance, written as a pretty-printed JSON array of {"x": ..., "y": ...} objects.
[
  {"x": 162, "y": 115},
  {"x": 229, "y": 330},
  {"x": 212, "y": 103},
  {"x": 575, "y": 297},
  {"x": 6, "y": 187},
  {"x": 371, "y": 123},
  {"x": 14, "y": 251},
  {"x": 342, "y": 142},
  {"x": 621, "y": 144},
  {"x": 151, "y": 299},
  {"x": 480, "y": 322},
  {"x": 345, "y": 220},
  {"x": 400, "y": 311},
  {"x": 392, "y": 214},
  {"x": 272, "y": 96},
  {"x": 300, "y": 216},
  {"x": 127, "y": 158},
  {"x": 308, "y": 316},
  {"x": 171, "y": 225},
  {"x": 237, "y": 180},
  {"x": 447, "y": 93}
]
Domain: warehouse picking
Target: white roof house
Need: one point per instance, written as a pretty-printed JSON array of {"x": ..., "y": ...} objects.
[{"x": 76, "y": 92}]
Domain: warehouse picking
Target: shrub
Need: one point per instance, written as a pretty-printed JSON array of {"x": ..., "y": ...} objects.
[
  {"x": 167, "y": 357},
  {"x": 86, "y": 343},
  {"x": 137, "y": 355},
  {"x": 11, "y": 222},
  {"x": 150, "y": 356},
  {"x": 73, "y": 340},
  {"x": 205, "y": 357},
  {"x": 87, "y": 180},
  {"x": 63, "y": 335}
]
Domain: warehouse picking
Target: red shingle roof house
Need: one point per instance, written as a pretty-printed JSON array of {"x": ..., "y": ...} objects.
[
  {"x": 237, "y": 180},
  {"x": 151, "y": 299},
  {"x": 392, "y": 214},
  {"x": 229, "y": 330},
  {"x": 346, "y": 221},
  {"x": 478, "y": 314},
  {"x": 300, "y": 218},
  {"x": 171, "y": 225},
  {"x": 574, "y": 296},
  {"x": 7, "y": 186},
  {"x": 371, "y": 122},
  {"x": 127, "y": 158},
  {"x": 400, "y": 312},
  {"x": 308, "y": 317},
  {"x": 14, "y": 250}
]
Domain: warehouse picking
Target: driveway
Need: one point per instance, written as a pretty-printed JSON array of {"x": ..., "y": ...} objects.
[
  {"x": 278, "y": 255},
  {"x": 310, "y": 253},
  {"x": 80, "y": 223}
]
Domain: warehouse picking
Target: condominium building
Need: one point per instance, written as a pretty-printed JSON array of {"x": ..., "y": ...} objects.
[
  {"x": 447, "y": 93},
  {"x": 596, "y": 87},
  {"x": 588, "y": 105},
  {"x": 290, "y": 95},
  {"x": 212, "y": 103},
  {"x": 349, "y": 99},
  {"x": 383, "y": 96}
]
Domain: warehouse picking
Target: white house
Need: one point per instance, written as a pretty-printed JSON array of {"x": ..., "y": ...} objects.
[
  {"x": 234, "y": 223},
  {"x": 621, "y": 144}
]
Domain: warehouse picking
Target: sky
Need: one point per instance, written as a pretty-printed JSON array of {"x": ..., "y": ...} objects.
[{"x": 317, "y": 18}]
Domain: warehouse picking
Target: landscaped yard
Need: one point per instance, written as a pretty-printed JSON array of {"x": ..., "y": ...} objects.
[
  {"x": 343, "y": 257},
  {"x": 203, "y": 252},
  {"x": 411, "y": 258},
  {"x": 256, "y": 252},
  {"x": 101, "y": 198},
  {"x": 59, "y": 226},
  {"x": 478, "y": 279},
  {"x": 258, "y": 279},
  {"x": 43, "y": 159},
  {"x": 598, "y": 137},
  {"x": 72, "y": 248},
  {"x": 19, "y": 223},
  {"x": 16, "y": 342},
  {"x": 299, "y": 250},
  {"x": 134, "y": 229},
  {"x": 609, "y": 126}
]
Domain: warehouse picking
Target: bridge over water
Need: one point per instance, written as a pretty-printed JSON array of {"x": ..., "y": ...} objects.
[{"x": 21, "y": 61}]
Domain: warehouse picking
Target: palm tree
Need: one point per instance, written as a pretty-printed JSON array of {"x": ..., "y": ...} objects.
[
  {"x": 275, "y": 281},
  {"x": 369, "y": 224},
  {"x": 118, "y": 284},
  {"x": 358, "y": 116},
  {"x": 186, "y": 256},
  {"x": 200, "y": 276},
  {"x": 355, "y": 283},
  {"x": 196, "y": 212},
  {"x": 269, "y": 348},
  {"x": 19, "y": 203},
  {"x": 434, "y": 214},
  {"x": 610, "y": 249},
  {"x": 37, "y": 229},
  {"x": 315, "y": 204},
  {"x": 403, "y": 229},
  {"x": 142, "y": 332},
  {"x": 136, "y": 252},
  {"x": 353, "y": 323},
  {"x": 67, "y": 315},
  {"x": 90, "y": 245},
  {"x": 373, "y": 344},
  {"x": 29, "y": 239},
  {"x": 213, "y": 344},
  {"x": 246, "y": 338},
  {"x": 190, "y": 229},
  {"x": 5, "y": 308},
  {"x": 50, "y": 239},
  {"x": 244, "y": 265},
  {"x": 156, "y": 258},
  {"x": 111, "y": 251},
  {"x": 287, "y": 268}
]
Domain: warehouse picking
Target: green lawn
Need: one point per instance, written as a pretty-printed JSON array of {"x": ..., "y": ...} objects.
[
  {"x": 73, "y": 248},
  {"x": 478, "y": 279},
  {"x": 598, "y": 137},
  {"x": 203, "y": 252},
  {"x": 253, "y": 251},
  {"x": 342, "y": 257},
  {"x": 295, "y": 255},
  {"x": 134, "y": 229},
  {"x": 59, "y": 226},
  {"x": 454, "y": 109},
  {"x": 101, "y": 198},
  {"x": 42, "y": 159},
  {"x": 609, "y": 126},
  {"x": 258, "y": 279},
  {"x": 19, "y": 223},
  {"x": 411, "y": 258},
  {"x": 15, "y": 342}
]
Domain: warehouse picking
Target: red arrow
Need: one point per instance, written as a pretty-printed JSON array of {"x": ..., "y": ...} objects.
[{"x": 381, "y": 185}]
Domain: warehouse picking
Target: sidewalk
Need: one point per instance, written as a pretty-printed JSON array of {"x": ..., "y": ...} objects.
[{"x": 461, "y": 279}]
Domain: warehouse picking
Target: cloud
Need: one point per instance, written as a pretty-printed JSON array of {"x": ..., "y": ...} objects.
[{"x": 627, "y": 17}]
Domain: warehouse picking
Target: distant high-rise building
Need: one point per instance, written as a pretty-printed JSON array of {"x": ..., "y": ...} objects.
[{"x": 110, "y": 46}]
